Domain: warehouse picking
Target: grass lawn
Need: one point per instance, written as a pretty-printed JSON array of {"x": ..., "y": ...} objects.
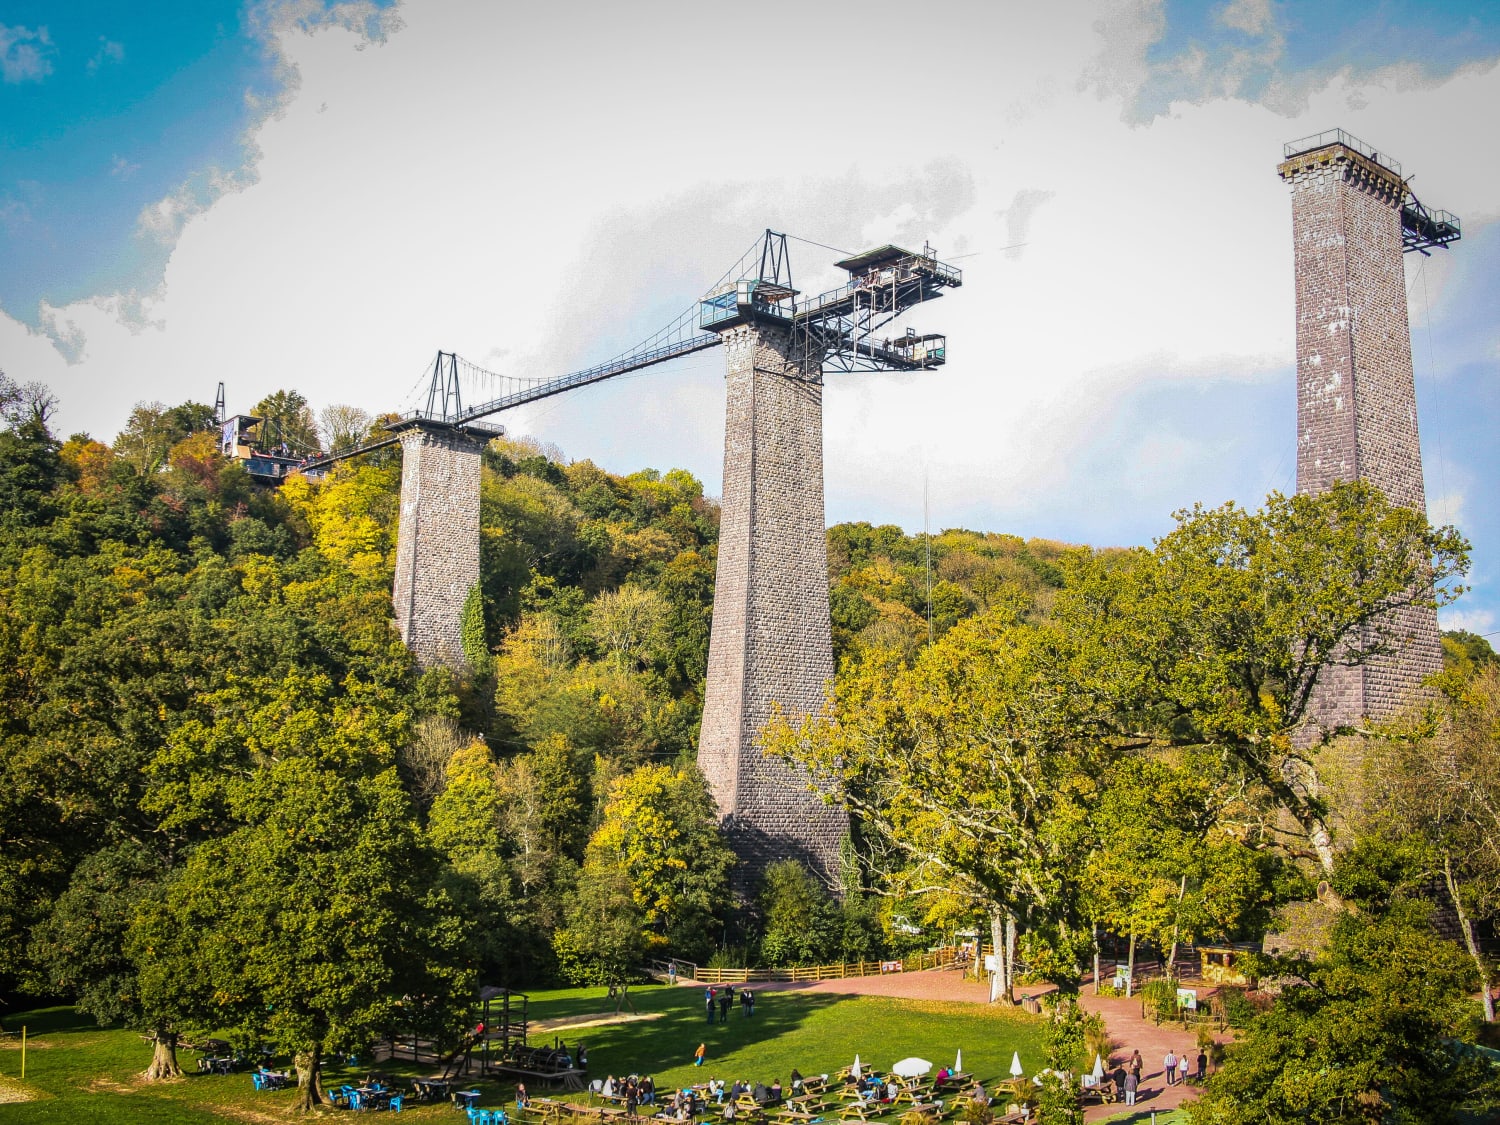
[{"x": 80, "y": 1072}]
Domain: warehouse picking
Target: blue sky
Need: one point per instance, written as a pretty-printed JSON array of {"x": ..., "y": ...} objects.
[
  {"x": 126, "y": 104},
  {"x": 287, "y": 193}
]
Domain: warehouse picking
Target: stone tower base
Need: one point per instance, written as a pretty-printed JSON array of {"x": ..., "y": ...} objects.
[
  {"x": 437, "y": 543},
  {"x": 772, "y": 641}
]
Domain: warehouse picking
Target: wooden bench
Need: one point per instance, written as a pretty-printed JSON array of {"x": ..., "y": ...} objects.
[
  {"x": 940, "y": 1110},
  {"x": 859, "y": 1111},
  {"x": 813, "y": 1104},
  {"x": 787, "y": 1113}
]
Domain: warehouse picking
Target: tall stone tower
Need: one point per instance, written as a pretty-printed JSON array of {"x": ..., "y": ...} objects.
[
  {"x": 772, "y": 639},
  {"x": 437, "y": 541},
  {"x": 1356, "y": 397}
]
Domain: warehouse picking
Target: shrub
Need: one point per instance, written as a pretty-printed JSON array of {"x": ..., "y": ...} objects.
[
  {"x": 1057, "y": 1102},
  {"x": 1159, "y": 999},
  {"x": 1237, "y": 1007},
  {"x": 729, "y": 957},
  {"x": 1066, "y": 1036}
]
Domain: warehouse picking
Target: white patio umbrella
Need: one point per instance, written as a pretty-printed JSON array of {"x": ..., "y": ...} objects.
[
  {"x": 855, "y": 1071},
  {"x": 911, "y": 1067},
  {"x": 1016, "y": 1069},
  {"x": 958, "y": 1063},
  {"x": 1098, "y": 1066}
]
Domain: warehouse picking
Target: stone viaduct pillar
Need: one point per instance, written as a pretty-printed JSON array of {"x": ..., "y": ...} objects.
[
  {"x": 772, "y": 640},
  {"x": 1356, "y": 397},
  {"x": 437, "y": 543}
]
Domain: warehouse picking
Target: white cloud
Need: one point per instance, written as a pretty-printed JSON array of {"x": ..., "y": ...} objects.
[
  {"x": 1480, "y": 621},
  {"x": 536, "y": 194},
  {"x": 1253, "y": 17},
  {"x": 25, "y": 54},
  {"x": 109, "y": 52},
  {"x": 122, "y": 169}
]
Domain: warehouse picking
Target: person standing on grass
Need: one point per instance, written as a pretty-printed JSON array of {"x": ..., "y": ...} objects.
[
  {"x": 724, "y": 1002},
  {"x": 1169, "y": 1064},
  {"x": 702, "y": 1047},
  {"x": 709, "y": 997}
]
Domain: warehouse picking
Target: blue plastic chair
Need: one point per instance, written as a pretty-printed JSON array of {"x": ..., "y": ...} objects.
[{"x": 395, "y": 1103}]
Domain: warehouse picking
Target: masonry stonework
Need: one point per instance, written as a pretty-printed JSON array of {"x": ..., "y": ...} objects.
[
  {"x": 437, "y": 543},
  {"x": 771, "y": 643},
  {"x": 1356, "y": 396}
]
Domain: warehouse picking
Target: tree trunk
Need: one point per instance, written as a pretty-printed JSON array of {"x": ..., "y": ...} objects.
[
  {"x": 1003, "y": 938},
  {"x": 1010, "y": 958},
  {"x": 1172, "y": 956},
  {"x": 1096, "y": 958},
  {"x": 163, "y": 1057},
  {"x": 1130, "y": 964},
  {"x": 1297, "y": 795},
  {"x": 997, "y": 941},
  {"x": 1466, "y": 924},
  {"x": 309, "y": 1065}
]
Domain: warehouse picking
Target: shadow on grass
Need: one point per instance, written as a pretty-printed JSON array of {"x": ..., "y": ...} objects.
[
  {"x": 44, "y": 1021},
  {"x": 669, "y": 1042}
]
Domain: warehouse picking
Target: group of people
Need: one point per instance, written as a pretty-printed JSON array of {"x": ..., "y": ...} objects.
[
  {"x": 634, "y": 1091},
  {"x": 722, "y": 999},
  {"x": 1178, "y": 1068}
]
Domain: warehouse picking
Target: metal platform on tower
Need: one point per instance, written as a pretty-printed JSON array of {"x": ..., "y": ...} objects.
[
  {"x": 842, "y": 326},
  {"x": 1422, "y": 229}
]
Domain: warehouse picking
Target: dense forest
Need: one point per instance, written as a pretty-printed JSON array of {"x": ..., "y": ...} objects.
[
  {"x": 220, "y": 770},
  {"x": 173, "y": 634}
]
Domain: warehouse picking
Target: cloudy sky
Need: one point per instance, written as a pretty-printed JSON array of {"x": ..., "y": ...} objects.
[{"x": 285, "y": 193}]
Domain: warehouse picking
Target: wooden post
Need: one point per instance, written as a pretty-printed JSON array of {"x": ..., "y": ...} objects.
[{"x": 23, "y": 1052}]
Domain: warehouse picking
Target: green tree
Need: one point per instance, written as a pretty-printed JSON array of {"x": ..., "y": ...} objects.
[
  {"x": 1375, "y": 1032},
  {"x": 465, "y": 825},
  {"x": 660, "y": 828},
  {"x": 286, "y": 419},
  {"x": 1218, "y": 636},
  {"x": 342, "y": 426},
  {"x": 471, "y": 630},
  {"x": 79, "y": 949},
  {"x": 153, "y": 429},
  {"x": 604, "y": 940},
  {"x": 971, "y": 770},
  {"x": 1466, "y": 653},
  {"x": 1439, "y": 811},
  {"x": 298, "y": 928},
  {"x": 799, "y": 925}
]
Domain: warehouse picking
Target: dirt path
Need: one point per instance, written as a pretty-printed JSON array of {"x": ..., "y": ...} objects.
[
  {"x": 598, "y": 1019},
  {"x": 1122, "y": 1018}
]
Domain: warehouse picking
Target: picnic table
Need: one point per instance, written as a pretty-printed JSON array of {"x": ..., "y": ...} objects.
[
  {"x": 788, "y": 1114},
  {"x": 859, "y": 1111},
  {"x": 432, "y": 1089},
  {"x": 547, "y": 1109},
  {"x": 808, "y": 1103}
]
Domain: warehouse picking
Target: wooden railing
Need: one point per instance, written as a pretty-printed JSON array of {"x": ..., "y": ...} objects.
[{"x": 935, "y": 959}]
